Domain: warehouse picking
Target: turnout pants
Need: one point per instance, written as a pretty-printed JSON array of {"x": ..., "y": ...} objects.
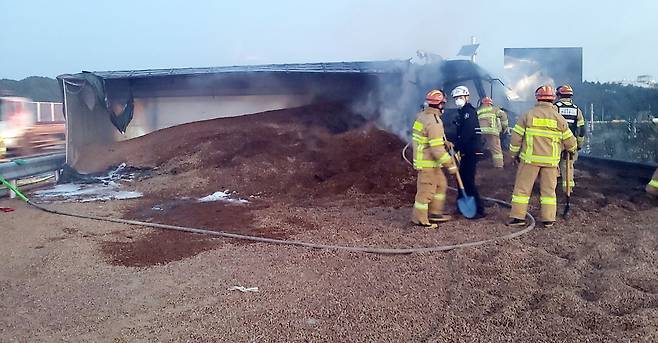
[
  {"x": 430, "y": 195},
  {"x": 526, "y": 175},
  {"x": 467, "y": 170},
  {"x": 652, "y": 187},
  {"x": 563, "y": 172},
  {"x": 493, "y": 145}
]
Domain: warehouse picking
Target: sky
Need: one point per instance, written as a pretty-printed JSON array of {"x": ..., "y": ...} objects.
[{"x": 48, "y": 38}]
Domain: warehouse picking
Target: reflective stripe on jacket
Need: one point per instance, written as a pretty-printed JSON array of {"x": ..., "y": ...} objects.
[
  {"x": 428, "y": 141},
  {"x": 654, "y": 180},
  {"x": 492, "y": 120},
  {"x": 540, "y": 136},
  {"x": 488, "y": 120}
]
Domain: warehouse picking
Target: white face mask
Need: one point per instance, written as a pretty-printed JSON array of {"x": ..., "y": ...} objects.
[{"x": 460, "y": 102}]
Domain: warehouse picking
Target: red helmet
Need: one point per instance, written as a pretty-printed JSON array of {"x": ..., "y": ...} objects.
[
  {"x": 487, "y": 101},
  {"x": 565, "y": 90},
  {"x": 545, "y": 93},
  {"x": 435, "y": 97}
]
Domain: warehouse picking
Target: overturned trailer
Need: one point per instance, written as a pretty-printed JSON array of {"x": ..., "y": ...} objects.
[{"x": 105, "y": 107}]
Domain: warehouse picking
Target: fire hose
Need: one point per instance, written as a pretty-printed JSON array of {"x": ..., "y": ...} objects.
[{"x": 374, "y": 250}]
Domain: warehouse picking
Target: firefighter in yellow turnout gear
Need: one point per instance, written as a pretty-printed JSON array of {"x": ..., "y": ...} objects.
[
  {"x": 430, "y": 155},
  {"x": 3, "y": 148},
  {"x": 493, "y": 121},
  {"x": 537, "y": 141},
  {"x": 574, "y": 117},
  {"x": 652, "y": 186}
]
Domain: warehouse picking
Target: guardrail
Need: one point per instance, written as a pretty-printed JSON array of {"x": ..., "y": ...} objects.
[
  {"x": 22, "y": 168},
  {"x": 625, "y": 169},
  {"x": 620, "y": 163}
]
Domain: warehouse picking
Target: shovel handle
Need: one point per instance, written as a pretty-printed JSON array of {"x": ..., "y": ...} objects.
[
  {"x": 568, "y": 183},
  {"x": 568, "y": 176},
  {"x": 451, "y": 152},
  {"x": 459, "y": 180}
]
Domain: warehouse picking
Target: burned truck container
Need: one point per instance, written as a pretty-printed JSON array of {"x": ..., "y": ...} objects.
[{"x": 110, "y": 106}]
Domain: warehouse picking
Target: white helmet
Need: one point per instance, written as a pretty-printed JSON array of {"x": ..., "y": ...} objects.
[{"x": 459, "y": 91}]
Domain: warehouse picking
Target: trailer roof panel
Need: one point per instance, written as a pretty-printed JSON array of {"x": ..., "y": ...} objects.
[{"x": 378, "y": 67}]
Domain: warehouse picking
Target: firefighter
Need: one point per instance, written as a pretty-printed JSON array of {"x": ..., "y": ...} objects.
[
  {"x": 493, "y": 121},
  {"x": 3, "y": 148},
  {"x": 468, "y": 143},
  {"x": 538, "y": 139},
  {"x": 428, "y": 140},
  {"x": 652, "y": 186},
  {"x": 574, "y": 117}
]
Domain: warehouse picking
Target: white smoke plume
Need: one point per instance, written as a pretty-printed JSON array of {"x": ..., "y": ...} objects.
[{"x": 393, "y": 102}]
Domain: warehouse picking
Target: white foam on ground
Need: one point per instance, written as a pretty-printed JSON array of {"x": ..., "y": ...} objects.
[
  {"x": 58, "y": 190},
  {"x": 119, "y": 195},
  {"x": 71, "y": 192},
  {"x": 222, "y": 196},
  {"x": 107, "y": 187}
]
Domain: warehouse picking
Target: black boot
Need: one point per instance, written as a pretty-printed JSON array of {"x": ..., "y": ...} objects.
[{"x": 516, "y": 222}]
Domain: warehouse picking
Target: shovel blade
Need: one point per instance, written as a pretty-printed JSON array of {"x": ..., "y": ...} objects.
[{"x": 467, "y": 206}]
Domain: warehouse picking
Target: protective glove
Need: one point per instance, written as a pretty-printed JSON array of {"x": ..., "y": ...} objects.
[
  {"x": 449, "y": 145},
  {"x": 452, "y": 170},
  {"x": 458, "y": 156},
  {"x": 516, "y": 160}
]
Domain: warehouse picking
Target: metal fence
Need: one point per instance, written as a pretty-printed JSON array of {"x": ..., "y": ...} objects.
[
  {"x": 634, "y": 141},
  {"x": 46, "y": 111}
]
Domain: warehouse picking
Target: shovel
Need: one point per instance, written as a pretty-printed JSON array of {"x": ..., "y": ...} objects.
[
  {"x": 568, "y": 183},
  {"x": 466, "y": 204}
]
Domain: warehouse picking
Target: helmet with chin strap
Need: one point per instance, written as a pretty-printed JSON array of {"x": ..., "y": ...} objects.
[{"x": 460, "y": 91}]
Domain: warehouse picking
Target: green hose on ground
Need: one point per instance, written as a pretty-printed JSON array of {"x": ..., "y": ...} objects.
[{"x": 14, "y": 189}]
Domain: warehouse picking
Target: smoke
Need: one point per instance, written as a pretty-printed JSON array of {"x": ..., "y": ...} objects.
[
  {"x": 389, "y": 98},
  {"x": 526, "y": 69},
  {"x": 629, "y": 136},
  {"x": 525, "y": 76},
  {"x": 392, "y": 102}
]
